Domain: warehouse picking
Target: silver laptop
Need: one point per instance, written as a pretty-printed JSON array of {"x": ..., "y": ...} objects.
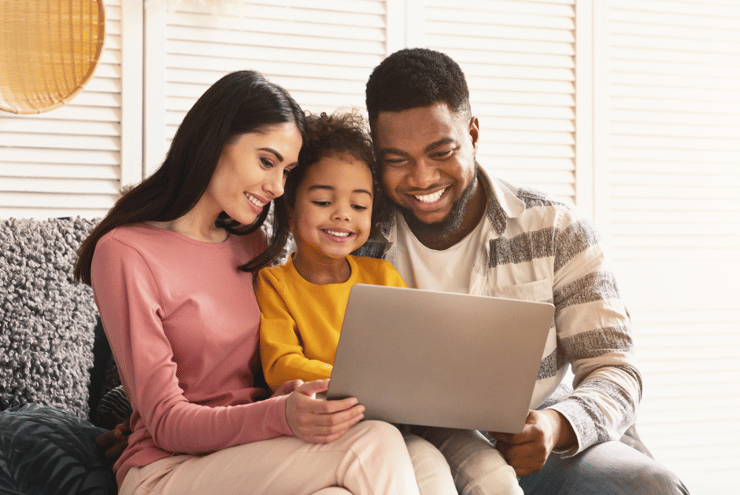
[{"x": 440, "y": 359}]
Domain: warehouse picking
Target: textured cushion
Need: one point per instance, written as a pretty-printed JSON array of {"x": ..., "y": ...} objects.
[
  {"x": 47, "y": 321},
  {"x": 47, "y": 451}
]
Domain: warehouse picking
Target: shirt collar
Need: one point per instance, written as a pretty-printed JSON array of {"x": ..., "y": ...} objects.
[{"x": 502, "y": 202}]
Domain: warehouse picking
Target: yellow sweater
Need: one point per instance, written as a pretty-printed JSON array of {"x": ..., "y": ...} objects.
[{"x": 301, "y": 321}]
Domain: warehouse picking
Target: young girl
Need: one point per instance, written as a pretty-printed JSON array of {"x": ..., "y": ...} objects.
[
  {"x": 171, "y": 268},
  {"x": 330, "y": 208}
]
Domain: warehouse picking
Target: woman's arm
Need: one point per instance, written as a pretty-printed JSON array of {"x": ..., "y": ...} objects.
[{"x": 128, "y": 298}]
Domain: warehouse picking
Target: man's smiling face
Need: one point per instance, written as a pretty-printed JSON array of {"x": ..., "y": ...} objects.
[{"x": 427, "y": 158}]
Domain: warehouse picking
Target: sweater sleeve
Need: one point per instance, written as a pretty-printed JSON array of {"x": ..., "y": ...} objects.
[
  {"x": 594, "y": 331},
  {"x": 129, "y": 302},
  {"x": 392, "y": 277},
  {"x": 282, "y": 354}
]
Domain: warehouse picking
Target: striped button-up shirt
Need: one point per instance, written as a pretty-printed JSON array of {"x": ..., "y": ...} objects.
[{"x": 539, "y": 249}]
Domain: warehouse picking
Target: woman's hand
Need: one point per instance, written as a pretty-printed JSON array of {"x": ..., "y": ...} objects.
[
  {"x": 112, "y": 444},
  {"x": 320, "y": 421}
]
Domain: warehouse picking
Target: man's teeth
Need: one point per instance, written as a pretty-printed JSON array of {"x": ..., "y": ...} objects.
[
  {"x": 337, "y": 234},
  {"x": 254, "y": 200},
  {"x": 430, "y": 198}
]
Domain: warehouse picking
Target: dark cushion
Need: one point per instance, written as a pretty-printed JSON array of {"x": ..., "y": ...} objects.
[
  {"x": 113, "y": 408},
  {"x": 99, "y": 373},
  {"x": 45, "y": 451}
]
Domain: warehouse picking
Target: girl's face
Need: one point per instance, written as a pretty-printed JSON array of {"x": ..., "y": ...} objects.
[
  {"x": 333, "y": 208},
  {"x": 251, "y": 171}
]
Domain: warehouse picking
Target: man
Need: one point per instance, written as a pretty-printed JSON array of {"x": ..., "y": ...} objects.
[{"x": 453, "y": 228}]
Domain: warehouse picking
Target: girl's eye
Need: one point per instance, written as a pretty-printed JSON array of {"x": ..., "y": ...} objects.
[
  {"x": 320, "y": 203},
  {"x": 359, "y": 207}
]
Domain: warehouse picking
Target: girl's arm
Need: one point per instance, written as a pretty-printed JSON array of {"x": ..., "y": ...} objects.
[{"x": 282, "y": 354}]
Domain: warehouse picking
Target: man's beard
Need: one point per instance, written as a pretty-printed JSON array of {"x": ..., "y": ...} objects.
[{"x": 449, "y": 224}]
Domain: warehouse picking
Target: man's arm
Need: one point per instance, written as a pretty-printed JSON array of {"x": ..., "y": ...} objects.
[
  {"x": 594, "y": 331},
  {"x": 594, "y": 336}
]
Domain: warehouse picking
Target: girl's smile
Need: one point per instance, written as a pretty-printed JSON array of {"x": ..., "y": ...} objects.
[{"x": 332, "y": 213}]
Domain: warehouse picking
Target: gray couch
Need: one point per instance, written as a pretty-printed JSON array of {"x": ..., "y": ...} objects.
[{"x": 52, "y": 363}]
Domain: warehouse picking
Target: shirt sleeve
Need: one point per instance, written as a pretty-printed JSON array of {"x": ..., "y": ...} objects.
[
  {"x": 130, "y": 306},
  {"x": 283, "y": 358},
  {"x": 595, "y": 334}
]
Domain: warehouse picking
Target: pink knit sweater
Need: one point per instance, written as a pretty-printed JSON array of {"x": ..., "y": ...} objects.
[{"x": 183, "y": 324}]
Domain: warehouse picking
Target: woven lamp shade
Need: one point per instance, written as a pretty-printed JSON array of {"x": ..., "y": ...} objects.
[{"x": 48, "y": 51}]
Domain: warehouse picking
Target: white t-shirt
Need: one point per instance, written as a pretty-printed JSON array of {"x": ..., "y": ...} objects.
[{"x": 448, "y": 270}]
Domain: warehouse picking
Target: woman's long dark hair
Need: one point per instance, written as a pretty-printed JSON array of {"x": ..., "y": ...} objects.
[{"x": 238, "y": 103}]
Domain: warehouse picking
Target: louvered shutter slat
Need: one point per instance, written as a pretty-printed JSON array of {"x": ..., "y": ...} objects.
[
  {"x": 518, "y": 60},
  {"x": 674, "y": 219}
]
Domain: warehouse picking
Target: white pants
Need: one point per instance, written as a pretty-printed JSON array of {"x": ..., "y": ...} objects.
[
  {"x": 430, "y": 467},
  {"x": 475, "y": 465},
  {"x": 371, "y": 458}
]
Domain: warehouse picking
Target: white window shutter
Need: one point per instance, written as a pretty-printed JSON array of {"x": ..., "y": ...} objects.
[
  {"x": 67, "y": 162},
  {"x": 321, "y": 52},
  {"x": 673, "y": 207},
  {"x": 518, "y": 58}
]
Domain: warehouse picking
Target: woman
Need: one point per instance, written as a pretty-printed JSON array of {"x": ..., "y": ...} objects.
[{"x": 171, "y": 268}]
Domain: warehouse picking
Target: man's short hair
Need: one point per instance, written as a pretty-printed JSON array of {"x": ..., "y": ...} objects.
[{"x": 413, "y": 78}]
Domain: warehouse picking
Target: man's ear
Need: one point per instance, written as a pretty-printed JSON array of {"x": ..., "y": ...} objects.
[{"x": 473, "y": 131}]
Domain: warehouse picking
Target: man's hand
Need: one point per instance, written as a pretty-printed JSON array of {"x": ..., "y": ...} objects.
[
  {"x": 320, "y": 421},
  {"x": 527, "y": 451},
  {"x": 112, "y": 444}
]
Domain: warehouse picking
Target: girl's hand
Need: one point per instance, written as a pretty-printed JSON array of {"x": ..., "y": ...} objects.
[
  {"x": 287, "y": 388},
  {"x": 320, "y": 421}
]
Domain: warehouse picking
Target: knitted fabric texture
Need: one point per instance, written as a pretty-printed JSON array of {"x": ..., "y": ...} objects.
[{"x": 47, "y": 321}]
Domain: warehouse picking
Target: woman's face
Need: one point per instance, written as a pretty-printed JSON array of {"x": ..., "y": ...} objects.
[{"x": 251, "y": 171}]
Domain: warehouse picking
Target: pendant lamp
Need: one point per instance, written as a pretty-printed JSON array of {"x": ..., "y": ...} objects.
[{"x": 48, "y": 51}]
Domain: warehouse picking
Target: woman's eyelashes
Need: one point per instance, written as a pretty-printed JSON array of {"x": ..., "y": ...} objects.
[{"x": 267, "y": 163}]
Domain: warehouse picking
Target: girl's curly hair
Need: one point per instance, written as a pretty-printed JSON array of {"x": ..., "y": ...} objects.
[{"x": 336, "y": 134}]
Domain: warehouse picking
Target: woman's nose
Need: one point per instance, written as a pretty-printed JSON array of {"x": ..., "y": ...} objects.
[{"x": 275, "y": 185}]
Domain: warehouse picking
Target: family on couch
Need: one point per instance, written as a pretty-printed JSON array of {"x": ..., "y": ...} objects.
[{"x": 183, "y": 321}]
